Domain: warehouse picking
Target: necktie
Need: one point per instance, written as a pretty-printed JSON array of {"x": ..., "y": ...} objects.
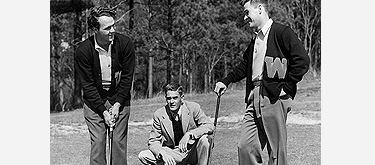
[{"x": 175, "y": 116}]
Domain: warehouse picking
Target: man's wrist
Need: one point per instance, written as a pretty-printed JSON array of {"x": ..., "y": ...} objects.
[
  {"x": 191, "y": 136},
  {"x": 117, "y": 104},
  {"x": 106, "y": 112}
]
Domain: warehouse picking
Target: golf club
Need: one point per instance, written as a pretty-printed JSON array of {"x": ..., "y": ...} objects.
[
  {"x": 110, "y": 135},
  {"x": 110, "y": 140},
  {"x": 215, "y": 122}
]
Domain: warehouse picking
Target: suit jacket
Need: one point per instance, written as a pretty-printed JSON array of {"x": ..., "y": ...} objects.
[
  {"x": 285, "y": 63},
  {"x": 87, "y": 66},
  {"x": 193, "y": 120}
]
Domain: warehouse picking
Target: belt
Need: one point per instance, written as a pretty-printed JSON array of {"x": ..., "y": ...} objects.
[
  {"x": 257, "y": 83},
  {"x": 257, "y": 97}
]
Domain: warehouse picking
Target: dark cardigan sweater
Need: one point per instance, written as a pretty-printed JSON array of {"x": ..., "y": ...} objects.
[
  {"x": 87, "y": 66},
  {"x": 282, "y": 44}
]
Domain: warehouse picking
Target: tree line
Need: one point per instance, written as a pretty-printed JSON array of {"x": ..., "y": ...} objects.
[{"x": 192, "y": 42}]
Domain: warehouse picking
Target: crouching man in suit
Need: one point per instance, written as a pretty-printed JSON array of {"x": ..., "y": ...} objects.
[{"x": 179, "y": 132}]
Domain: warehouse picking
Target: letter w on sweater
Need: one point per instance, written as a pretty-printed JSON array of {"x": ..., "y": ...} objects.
[{"x": 277, "y": 65}]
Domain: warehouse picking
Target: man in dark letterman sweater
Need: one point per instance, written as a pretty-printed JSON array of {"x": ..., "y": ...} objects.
[
  {"x": 105, "y": 65},
  {"x": 274, "y": 62}
]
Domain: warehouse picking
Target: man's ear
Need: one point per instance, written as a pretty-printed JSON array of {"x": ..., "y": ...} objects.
[{"x": 95, "y": 29}]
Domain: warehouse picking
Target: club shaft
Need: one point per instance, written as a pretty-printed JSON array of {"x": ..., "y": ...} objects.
[
  {"x": 217, "y": 110},
  {"x": 213, "y": 135},
  {"x": 110, "y": 135}
]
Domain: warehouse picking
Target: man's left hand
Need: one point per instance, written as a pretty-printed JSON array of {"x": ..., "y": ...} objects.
[
  {"x": 115, "y": 110},
  {"x": 184, "y": 142}
]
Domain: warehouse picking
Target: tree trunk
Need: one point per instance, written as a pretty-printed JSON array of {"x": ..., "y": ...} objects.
[
  {"x": 225, "y": 66},
  {"x": 169, "y": 52},
  {"x": 77, "y": 93},
  {"x": 212, "y": 80},
  {"x": 315, "y": 74},
  {"x": 206, "y": 81},
  {"x": 86, "y": 24},
  {"x": 180, "y": 74},
  {"x": 312, "y": 57},
  {"x": 53, "y": 77},
  {"x": 61, "y": 96},
  {"x": 150, "y": 72},
  {"x": 168, "y": 67},
  {"x": 191, "y": 64},
  {"x": 190, "y": 82},
  {"x": 131, "y": 14},
  {"x": 132, "y": 92},
  {"x": 53, "y": 55},
  {"x": 60, "y": 84},
  {"x": 151, "y": 58}
]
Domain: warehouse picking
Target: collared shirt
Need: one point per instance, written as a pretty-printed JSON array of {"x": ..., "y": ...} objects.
[
  {"x": 105, "y": 64},
  {"x": 175, "y": 115},
  {"x": 260, "y": 48}
]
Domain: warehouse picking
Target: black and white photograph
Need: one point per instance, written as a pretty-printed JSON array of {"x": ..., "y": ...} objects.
[{"x": 175, "y": 82}]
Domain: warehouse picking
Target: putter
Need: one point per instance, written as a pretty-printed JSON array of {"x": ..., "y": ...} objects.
[
  {"x": 110, "y": 140},
  {"x": 213, "y": 135},
  {"x": 110, "y": 135}
]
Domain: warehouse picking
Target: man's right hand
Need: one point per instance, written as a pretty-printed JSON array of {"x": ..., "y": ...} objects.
[
  {"x": 168, "y": 160},
  {"x": 220, "y": 88},
  {"x": 108, "y": 118}
]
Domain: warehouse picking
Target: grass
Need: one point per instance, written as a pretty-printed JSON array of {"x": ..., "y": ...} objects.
[{"x": 70, "y": 142}]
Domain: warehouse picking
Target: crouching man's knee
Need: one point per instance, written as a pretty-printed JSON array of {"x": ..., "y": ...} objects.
[
  {"x": 204, "y": 141},
  {"x": 147, "y": 157}
]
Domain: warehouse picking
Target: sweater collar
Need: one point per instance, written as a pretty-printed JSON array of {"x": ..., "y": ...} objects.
[
  {"x": 98, "y": 47},
  {"x": 265, "y": 29}
]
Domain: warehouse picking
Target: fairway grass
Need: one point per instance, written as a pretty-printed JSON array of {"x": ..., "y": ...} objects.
[{"x": 70, "y": 142}]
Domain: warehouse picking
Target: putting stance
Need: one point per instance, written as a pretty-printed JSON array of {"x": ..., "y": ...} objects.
[
  {"x": 179, "y": 132},
  {"x": 105, "y": 64},
  {"x": 274, "y": 62}
]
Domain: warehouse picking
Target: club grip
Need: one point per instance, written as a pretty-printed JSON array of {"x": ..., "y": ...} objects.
[{"x": 217, "y": 109}]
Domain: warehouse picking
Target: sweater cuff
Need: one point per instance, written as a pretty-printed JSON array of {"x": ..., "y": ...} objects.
[
  {"x": 225, "y": 81},
  {"x": 101, "y": 109},
  {"x": 120, "y": 100}
]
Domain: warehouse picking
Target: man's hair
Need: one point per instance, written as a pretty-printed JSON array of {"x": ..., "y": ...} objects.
[
  {"x": 173, "y": 87},
  {"x": 263, "y": 2},
  {"x": 97, "y": 12}
]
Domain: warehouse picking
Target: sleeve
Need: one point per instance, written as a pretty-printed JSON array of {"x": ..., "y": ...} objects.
[
  {"x": 205, "y": 125},
  {"x": 128, "y": 65},
  {"x": 298, "y": 60},
  {"x": 156, "y": 137},
  {"x": 84, "y": 71},
  {"x": 239, "y": 72}
]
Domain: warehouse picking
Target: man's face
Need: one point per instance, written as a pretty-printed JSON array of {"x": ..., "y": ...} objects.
[
  {"x": 252, "y": 15},
  {"x": 174, "y": 100},
  {"x": 106, "y": 29}
]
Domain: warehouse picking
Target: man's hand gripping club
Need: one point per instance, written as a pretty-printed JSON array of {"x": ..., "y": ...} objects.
[
  {"x": 111, "y": 115},
  {"x": 220, "y": 88}
]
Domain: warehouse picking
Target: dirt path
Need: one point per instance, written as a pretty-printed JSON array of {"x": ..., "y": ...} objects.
[{"x": 306, "y": 118}]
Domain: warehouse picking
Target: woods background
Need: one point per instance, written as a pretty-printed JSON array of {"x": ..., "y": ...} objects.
[{"x": 194, "y": 43}]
